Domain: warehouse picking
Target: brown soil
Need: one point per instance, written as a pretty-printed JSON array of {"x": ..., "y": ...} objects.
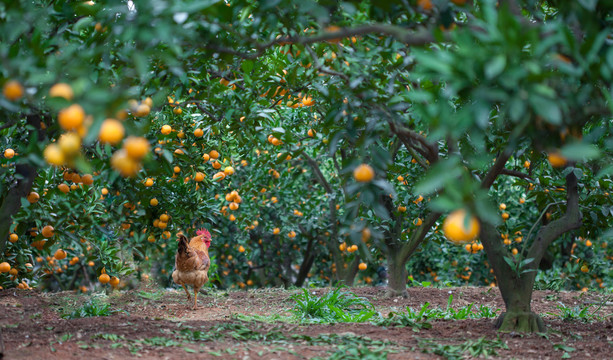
[{"x": 159, "y": 324}]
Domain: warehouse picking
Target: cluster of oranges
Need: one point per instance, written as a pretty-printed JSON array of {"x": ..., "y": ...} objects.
[{"x": 234, "y": 200}]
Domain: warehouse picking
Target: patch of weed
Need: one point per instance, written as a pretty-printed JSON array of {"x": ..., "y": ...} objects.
[{"x": 332, "y": 307}]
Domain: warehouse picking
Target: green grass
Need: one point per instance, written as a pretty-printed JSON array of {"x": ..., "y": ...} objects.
[
  {"x": 332, "y": 307},
  {"x": 93, "y": 308},
  {"x": 469, "y": 349}
]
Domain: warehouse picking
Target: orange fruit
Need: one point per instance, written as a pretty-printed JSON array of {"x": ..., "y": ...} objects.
[
  {"x": 111, "y": 132},
  {"x": 59, "y": 254},
  {"x": 9, "y": 153},
  {"x": 276, "y": 231},
  {"x": 69, "y": 143},
  {"x": 363, "y": 173},
  {"x": 71, "y": 118},
  {"x": 176, "y": 169},
  {"x": 362, "y": 266},
  {"x": 526, "y": 164},
  {"x": 12, "y": 90},
  {"x": 216, "y": 165},
  {"x": 142, "y": 110},
  {"x": 149, "y": 182},
  {"x": 556, "y": 160},
  {"x": 417, "y": 222},
  {"x": 206, "y": 157},
  {"x": 502, "y": 206},
  {"x": 166, "y": 129},
  {"x": 136, "y": 147},
  {"x": 47, "y": 231},
  {"x": 232, "y": 218},
  {"x": 234, "y": 206},
  {"x": 13, "y": 238},
  {"x": 241, "y": 249},
  {"x": 504, "y": 216},
  {"x": 104, "y": 191},
  {"x": 148, "y": 101},
  {"x": 162, "y": 225},
  {"x": 5, "y": 267},
  {"x": 514, "y": 251},
  {"x": 425, "y": 4},
  {"x": 214, "y": 154},
  {"x": 114, "y": 281},
  {"x": 219, "y": 176},
  {"x": 54, "y": 155},
  {"x": 311, "y": 132},
  {"x": 199, "y": 176},
  {"x": 177, "y": 111},
  {"x": 198, "y": 132},
  {"x": 455, "y": 230},
  {"x": 62, "y": 90},
  {"x": 153, "y": 202},
  {"x": 104, "y": 278},
  {"x": 365, "y": 234},
  {"x": 584, "y": 268},
  {"x": 588, "y": 243},
  {"x": 63, "y": 188},
  {"x": 33, "y": 197},
  {"x": 229, "y": 170},
  {"x": 87, "y": 179},
  {"x": 124, "y": 164}
]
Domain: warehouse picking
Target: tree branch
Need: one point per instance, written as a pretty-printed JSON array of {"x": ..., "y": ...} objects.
[
  {"x": 515, "y": 173},
  {"x": 496, "y": 169}
]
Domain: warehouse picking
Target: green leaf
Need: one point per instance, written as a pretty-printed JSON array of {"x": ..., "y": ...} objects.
[
  {"x": 495, "y": 66},
  {"x": 581, "y": 152}
]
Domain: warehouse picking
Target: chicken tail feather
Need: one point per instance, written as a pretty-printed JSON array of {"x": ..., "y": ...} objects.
[{"x": 182, "y": 244}]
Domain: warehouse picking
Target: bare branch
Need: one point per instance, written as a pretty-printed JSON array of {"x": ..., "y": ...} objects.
[
  {"x": 515, "y": 173},
  {"x": 496, "y": 169}
]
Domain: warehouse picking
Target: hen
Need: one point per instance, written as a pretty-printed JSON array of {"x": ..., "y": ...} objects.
[{"x": 192, "y": 262}]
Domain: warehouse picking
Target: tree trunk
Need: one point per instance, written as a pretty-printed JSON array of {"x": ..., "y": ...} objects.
[
  {"x": 517, "y": 296},
  {"x": 12, "y": 201},
  {"x": 347, "y": 276},
  {"x": 397, "y": 276}
]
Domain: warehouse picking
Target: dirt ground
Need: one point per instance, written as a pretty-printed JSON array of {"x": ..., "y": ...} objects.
[{"x": 155, "y": 323}]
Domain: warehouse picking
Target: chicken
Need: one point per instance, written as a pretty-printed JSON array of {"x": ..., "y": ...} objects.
[{"x": 192, "y": 263}]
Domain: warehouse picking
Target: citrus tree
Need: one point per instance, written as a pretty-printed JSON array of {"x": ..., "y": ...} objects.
[{"x": 311, "y": 137}]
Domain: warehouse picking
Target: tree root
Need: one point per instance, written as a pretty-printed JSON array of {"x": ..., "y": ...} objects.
[
  {"x": 519, "y": 321},
  {"x": 393, "y": 293}
]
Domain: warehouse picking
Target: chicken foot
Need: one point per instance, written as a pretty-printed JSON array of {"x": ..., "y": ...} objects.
[{"x": 189, "y": 297}]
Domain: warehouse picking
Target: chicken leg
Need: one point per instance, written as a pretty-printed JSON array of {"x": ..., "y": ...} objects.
[
  {"x": 195, "y": 298},
  {"x": 189, "y": 297}
]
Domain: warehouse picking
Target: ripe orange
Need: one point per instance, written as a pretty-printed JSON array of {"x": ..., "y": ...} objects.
[
  {"x": 54, "y": 155},
  {"x": 502, "y": 206},
  {"x": 104, "y": 191},
  {"x": 229, "y": 170},
  {"x": 241, "y": 249},
  {"x": 164, "y": 218},
  {"x": 12, "y": 90},
  {"x": 214, "y": 154},
  {"x": 365, "y": 234},
  {"x": 33, "y": 197},
  {"x": 48, "y": 231},
  {"x": 584, "y": 268},
  {"x": 219, "y": 176},
  {"x": 176, "y": 169},
  {"x": 62, "y": 90},
  {"x": 311, "y": 132},
  {"x": 13, "y": 238},
  {"x": 59, "y": 254},
  {"x": 124, "y": 164},
  {"x": 234, "y": 206},
  {"x": 69, "y": 143},
  {"x": 455, "y": 230},
  {"x": 199, "y": 176},
  {"x": 9, "y": 153},
  {"x": 148, "y": 101},
  {"x": 5, "y": 267},
  {"x": 177, "y": 111},
  {"x": 206, "y": 157},
  {"x": 166, "y": 129},
  {"x": 216, "y": 165},
  {"x": 136, "y": 147},
  {"x": 153, "y": 202},
  {"x": 142, "y": 110},
  {"x": 104, "y": 278},
  {"x": 588, "y": 243},
  {"x": 276, "y": 231},
  {"x": 556, "y": 160},
  {"x": 417, "y": 222},
  {"x": 232, "y": 217},
  {"x": 149, "y": 182},
  {"x": 364, "y": 173},
  {"x": 71, "y": 118},
  {"x": 526, "y": 164},
  {"x": 111, "y": 132},
  {"x": 504, "y": 216},
  {"x": 87, "y": 179},
  {"x": 362, "y": 266},
  {"x": 114, "y": 281},
  {"x": 198, "y": 132}
]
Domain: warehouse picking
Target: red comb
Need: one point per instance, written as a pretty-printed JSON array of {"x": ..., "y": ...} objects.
[{"x": 204, "y": 232}]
